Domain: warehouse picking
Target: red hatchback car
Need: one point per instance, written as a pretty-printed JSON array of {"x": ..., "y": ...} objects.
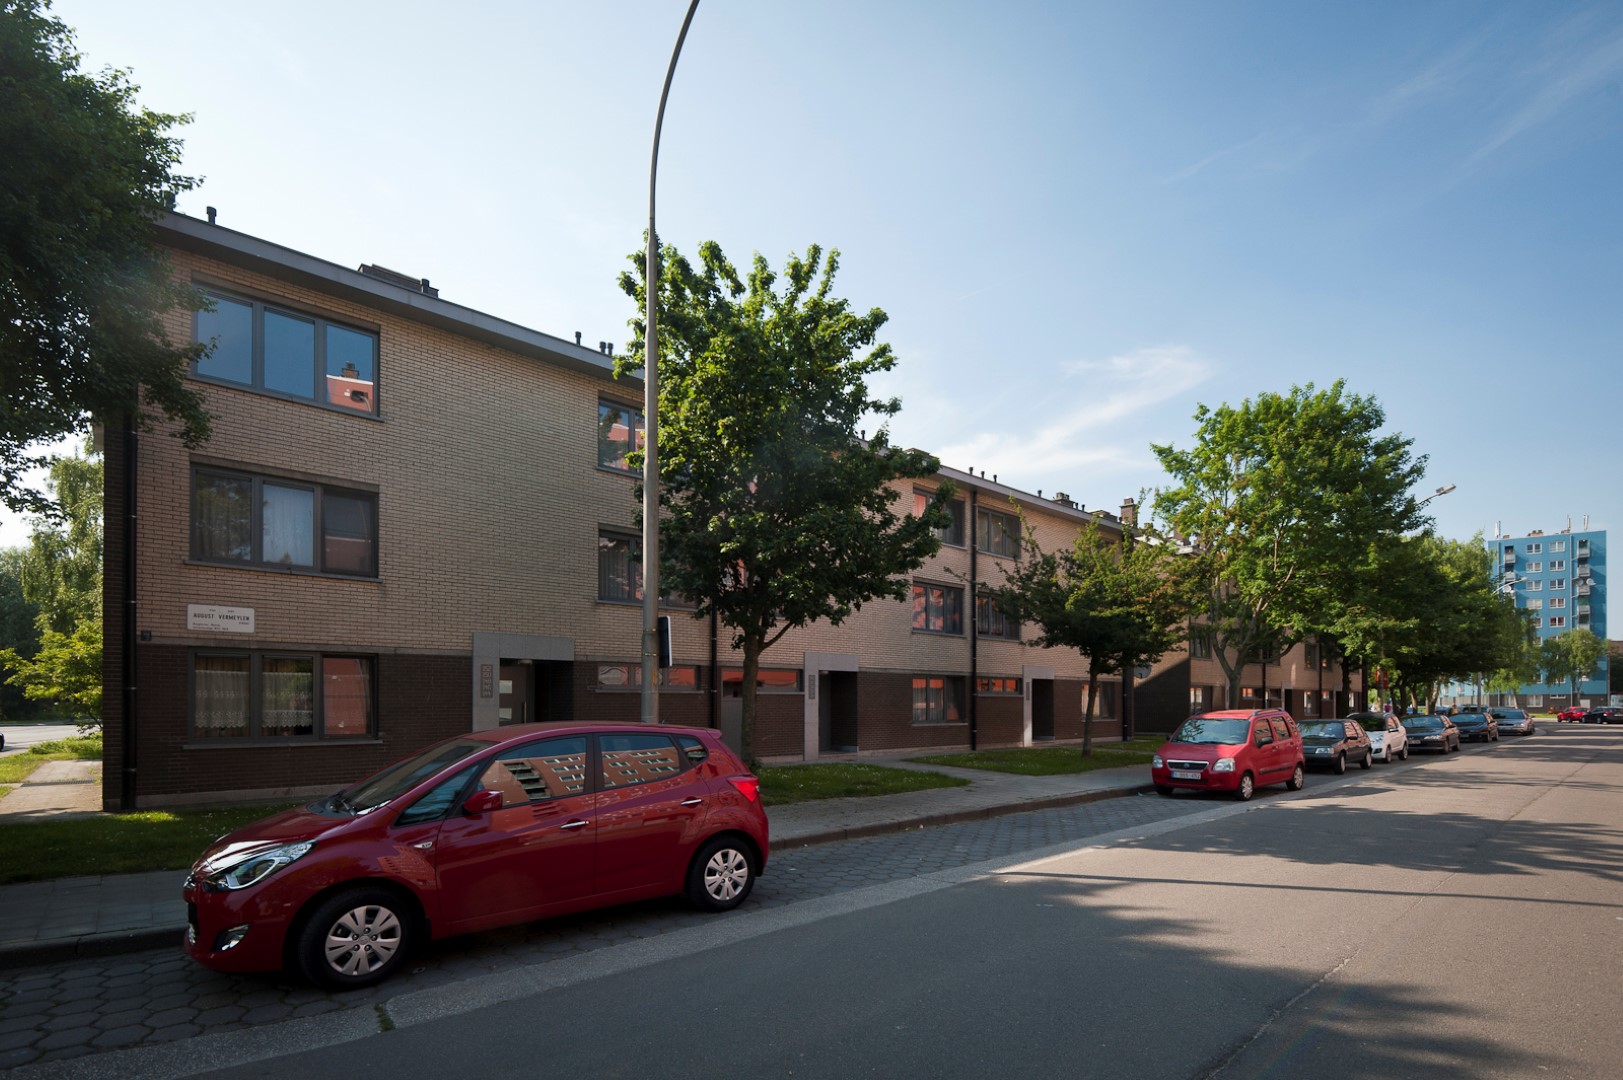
[
  {"x": 481, "y": 830},
  {"x": 1234, "y": 750}
]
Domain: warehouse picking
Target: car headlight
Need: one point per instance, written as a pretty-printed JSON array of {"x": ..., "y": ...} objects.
[
  {"x": 1156, "y": 762},
  {"x": 1223, "y": 764},
  {"x": 253, "y": 868}
]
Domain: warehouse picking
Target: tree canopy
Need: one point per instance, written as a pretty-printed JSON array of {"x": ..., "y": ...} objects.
[
  {"x": 1118, "y": 603},
  {"x": 82, "y": 287},
  {"x": 777, "y": 509},
  {"x": 60, "y": 575},
  {"x": 1283, "y": 497}
]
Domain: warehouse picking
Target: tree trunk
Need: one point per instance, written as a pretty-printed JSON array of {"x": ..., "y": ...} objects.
[
  {"x": 1087, "y": 712},
  {"x": 746, "y": 727}
]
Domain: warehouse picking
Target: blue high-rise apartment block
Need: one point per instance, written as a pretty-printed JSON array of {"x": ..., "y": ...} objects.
[{"x": 1561, "y": 579}]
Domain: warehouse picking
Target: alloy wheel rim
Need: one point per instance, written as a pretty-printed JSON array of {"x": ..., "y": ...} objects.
[
  {"x": 362, "y": 940},
  {"x": 726, "y": 874}
]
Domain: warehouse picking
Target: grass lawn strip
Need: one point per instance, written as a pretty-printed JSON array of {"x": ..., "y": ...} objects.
[
  {"x": 1052, "y": 760},
  {"x": 785, "y": 784},
  {"x": 15, "y": 768}
]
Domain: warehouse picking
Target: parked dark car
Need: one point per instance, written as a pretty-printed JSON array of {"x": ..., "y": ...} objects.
[
  {"x": 1432, "y": 733},
  {"x": 486, "y": 829},
  {"x": 1333, "y": 743},
  {"x": 1513, "y": 721},
  {"x": 1606, "y": 714},
  {"x": 1232, "y": 750},
  {"x": 1477, "y": 727}
]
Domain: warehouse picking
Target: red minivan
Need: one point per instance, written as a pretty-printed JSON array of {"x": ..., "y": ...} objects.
[
  {"x": 482, "y": 830},
  {"x": 1232, "y": 750}
]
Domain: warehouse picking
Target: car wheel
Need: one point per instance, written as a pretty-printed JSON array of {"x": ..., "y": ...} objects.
[
  {"x": 1340, "y": 765},
  {"x": 354, "y": 939},
  {"x": 1369, "y": 759},
  {"x": 1405, "y": 755},
  {"x": 1163, "y": 789},
  {"x": 1298, "y": 779},
  {"x": 1246, "y": 788},
  {"x": 721, "y": 875}
]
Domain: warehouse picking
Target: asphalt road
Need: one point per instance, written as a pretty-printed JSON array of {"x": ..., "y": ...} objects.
[
  {"x": 20, "y": 737},
  {"x": 1456, "y": 916}
]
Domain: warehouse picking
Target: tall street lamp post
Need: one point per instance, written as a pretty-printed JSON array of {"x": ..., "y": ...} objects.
[{"x": 650, "y": 413}]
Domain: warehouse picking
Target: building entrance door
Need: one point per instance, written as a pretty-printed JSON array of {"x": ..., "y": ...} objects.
[
  {"x": 517, "y": 696},
  {"x": 1042, "y": 710},
  {"x": 837, "y": 711}
]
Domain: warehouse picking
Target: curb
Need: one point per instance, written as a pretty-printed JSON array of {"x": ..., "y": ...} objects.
[
  {"x": 954, "y": 817},
  {"x": 87, "y": 946}
]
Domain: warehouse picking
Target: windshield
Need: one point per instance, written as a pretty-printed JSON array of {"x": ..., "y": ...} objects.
[
  {"x": 1423, "y": 723},
  {"x": 1204, "y": 729},
  {"x": 1510, "y": 714},
  {"x": 1324, "y": 731},
  {"x": 1369, "y": 721},
  {"x": 404, "y": 775}
]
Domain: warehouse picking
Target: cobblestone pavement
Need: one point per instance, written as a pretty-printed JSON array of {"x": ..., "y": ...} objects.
[{"x": 57, "y": 1012}]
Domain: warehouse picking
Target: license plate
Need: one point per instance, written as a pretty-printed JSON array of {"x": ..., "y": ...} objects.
[{"x": 1184, "y": 774}]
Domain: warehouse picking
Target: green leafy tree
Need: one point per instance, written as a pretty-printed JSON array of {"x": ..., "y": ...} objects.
[
  {"x": 1284, "y": 496},
  {"x": 1118, "y": 604},
  {"x": 1571, "y": 658},
  {"x": 18, "y": 631},
  {"x": 1457, "y": 623},
  {"x": 83, "y": 174},
  {"x": 776, "y": 510},
  {"x": 60, "y": 577}
]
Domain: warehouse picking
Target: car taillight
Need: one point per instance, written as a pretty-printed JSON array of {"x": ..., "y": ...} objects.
[{"x": 748, "y": 786}]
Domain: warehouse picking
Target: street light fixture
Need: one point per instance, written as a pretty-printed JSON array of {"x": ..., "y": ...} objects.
[{"x": 1444, "y": 490}]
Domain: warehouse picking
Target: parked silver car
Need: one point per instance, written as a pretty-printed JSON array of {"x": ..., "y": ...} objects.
[{"x": 1513, "y": 721}]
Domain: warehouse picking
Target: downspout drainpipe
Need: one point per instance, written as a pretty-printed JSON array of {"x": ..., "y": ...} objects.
[
  {"x": 715, "y": 673},
  {"x": 974, "y": 636},
  {"x": 126, "y": 794}
]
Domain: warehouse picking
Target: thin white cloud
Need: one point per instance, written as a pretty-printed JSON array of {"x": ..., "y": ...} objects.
[
  {"x": 1566, "y": 74},
  {"x": 1088, "y": 408}
]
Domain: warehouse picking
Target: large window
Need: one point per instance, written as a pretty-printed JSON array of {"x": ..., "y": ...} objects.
[
  {"x": 1558, "y": 566},
  {"x": 288, "y": 354},
  {"x": 619, "y": 571},
  {"x": 619, "y": 432},
  {"x": 991, "y": 621},
  {"x": 997, "y": 534},
  {"x": 1004, "y": 685},
  {"x": 938, "y": 700},
  {"x": 265, "y": 521},
  {"x": 938, "y": 609},
  {"x": 279, "y": 696},
  {"x": 1200, "y": 642},
  {"x": 953, "y": 534}
]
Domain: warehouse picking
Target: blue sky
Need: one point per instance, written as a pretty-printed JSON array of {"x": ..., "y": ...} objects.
[{"x": 1083, "y": 219}]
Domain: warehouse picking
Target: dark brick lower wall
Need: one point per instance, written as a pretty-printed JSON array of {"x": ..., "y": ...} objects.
[{"x": 420, "y": 699}]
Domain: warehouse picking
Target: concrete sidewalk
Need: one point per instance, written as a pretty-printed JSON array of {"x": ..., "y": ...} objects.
[{"x": 50, "y": 921}]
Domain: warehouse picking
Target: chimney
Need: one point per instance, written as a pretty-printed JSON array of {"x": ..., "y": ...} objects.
[
  {"x": 213, "y": 213},
  {"x": 1129, "y": 511}
]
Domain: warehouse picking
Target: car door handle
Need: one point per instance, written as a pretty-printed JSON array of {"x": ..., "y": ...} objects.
[
  {"x": 426, "y": 845},
  {"x": 573, "y": 825},
  {"x": 691, "y": 802}
]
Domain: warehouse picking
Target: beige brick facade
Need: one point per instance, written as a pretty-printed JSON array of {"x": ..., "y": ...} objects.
[{"x": 490, "y": 501}]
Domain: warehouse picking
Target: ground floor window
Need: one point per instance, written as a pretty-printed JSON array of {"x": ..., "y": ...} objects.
[
  {"x": 629, "y": 677},
  {"x": 1106, "y": 705},
  {"x": 767, "y": 681},
  {"x": 1200, "y": 699},
  {"x": 998, "y": 685},
  {"x": 938, "y": 699},
  {"x": 275, "y": 695}
]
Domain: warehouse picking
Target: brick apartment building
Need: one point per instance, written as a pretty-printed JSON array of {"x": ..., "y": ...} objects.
[{"x": 414, "y": 519}]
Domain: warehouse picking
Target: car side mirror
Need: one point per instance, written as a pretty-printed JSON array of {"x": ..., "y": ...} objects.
[{"x": 482, "y": 802}]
